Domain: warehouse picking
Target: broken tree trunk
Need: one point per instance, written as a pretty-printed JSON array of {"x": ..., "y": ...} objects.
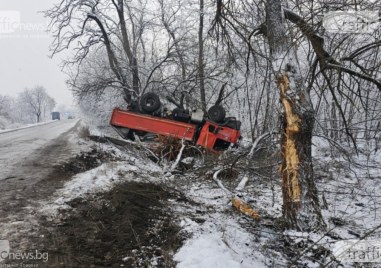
[{"x": 301, "y": 208}]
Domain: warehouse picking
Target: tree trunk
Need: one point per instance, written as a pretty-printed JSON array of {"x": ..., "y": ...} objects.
[
  {"x": 201, "y": 56},
  {"x": 114, "y": 63},
  {"x": 301, "y": 208},
  {"x": 133, "y": 63}
]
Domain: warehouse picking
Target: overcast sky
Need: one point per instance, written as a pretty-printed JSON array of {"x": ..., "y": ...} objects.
[{"x": 24, "y": 53}]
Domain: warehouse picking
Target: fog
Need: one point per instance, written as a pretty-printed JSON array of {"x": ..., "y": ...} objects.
[{"x": 24, "y": 52}]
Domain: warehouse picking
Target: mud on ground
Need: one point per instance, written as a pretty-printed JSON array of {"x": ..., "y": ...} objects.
[
  {"x": 127, "y": 226},
  {"x": 84, "y": 162}
]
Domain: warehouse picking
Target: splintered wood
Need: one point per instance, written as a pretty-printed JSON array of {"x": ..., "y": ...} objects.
[
  {"x": 245, "y": 208},
  {"x": 290, "y": 165},
  {"x": 240, "y": 205}
]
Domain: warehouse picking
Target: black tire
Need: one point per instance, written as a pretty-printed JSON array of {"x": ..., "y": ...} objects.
[
  {"x": 234, "y": 124},
  {"x": 217, "y": 113},
  {"x": 150, "y": 102},
  {"x": 181, "y": 115}
]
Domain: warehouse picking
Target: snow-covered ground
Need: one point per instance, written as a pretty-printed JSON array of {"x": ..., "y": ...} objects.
[
  {"x": 211, "y": 247},
  {"x": 218, "y": 235},
  {"x": 101, "y": 179},
  {"x": 351, "y": 188},
  {"x": 218, "y": 239}
]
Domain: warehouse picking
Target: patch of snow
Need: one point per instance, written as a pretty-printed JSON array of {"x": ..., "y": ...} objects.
[
  {"x": 218, "y": 240},
  {"x": 222, "y": 244},
  {"x": 207, "y": 251}
]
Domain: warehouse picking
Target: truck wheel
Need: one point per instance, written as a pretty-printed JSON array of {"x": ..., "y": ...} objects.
[
  {"x": 234, "y": 124},
  {"x": 217, "y": 113},
  {"x": 150, "y": 102}
]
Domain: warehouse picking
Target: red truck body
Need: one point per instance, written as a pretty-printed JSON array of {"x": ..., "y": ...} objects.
[{"x": 208, "y": 134}]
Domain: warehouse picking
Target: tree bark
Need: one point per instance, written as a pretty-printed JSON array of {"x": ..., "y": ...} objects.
[
  {"x": 201, "y": 56},
  {"x": 133, "y": 63},
  {"x": 114, "y": 64},
  {"x": 301, "y": 208}
]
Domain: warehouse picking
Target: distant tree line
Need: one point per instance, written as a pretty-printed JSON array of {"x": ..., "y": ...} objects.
[{"x": 33, "y": 105}]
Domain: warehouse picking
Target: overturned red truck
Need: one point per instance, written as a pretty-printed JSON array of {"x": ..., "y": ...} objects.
[{"x": 212, "y": 130}]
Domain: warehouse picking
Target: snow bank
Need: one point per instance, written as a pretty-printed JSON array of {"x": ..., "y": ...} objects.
[{"x": 27, "y": 126}]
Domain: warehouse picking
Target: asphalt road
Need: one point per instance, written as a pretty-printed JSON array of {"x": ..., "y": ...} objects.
[
  {"x": 27, "y": 159},
  {"x": 19, "y": 147}
]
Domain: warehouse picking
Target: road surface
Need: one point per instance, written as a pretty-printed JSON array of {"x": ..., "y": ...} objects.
[
  {"x": 27, "y": 159},
  {"x": 19, "y": 147}
]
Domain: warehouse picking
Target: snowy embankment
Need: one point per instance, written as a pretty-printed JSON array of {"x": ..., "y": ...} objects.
[
  {"x": 102, "y": 178},
  {"x": 222, "y": 237},
  {"x": 26, "y": 126},
  {"x": 217, "y": 239}
]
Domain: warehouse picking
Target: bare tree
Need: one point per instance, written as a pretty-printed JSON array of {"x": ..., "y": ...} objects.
[
  {"x": 37, "y": 101},
  {"x": 91, "y": 24},
  {"x": 179, "y": 39},
  {"x": 5, "y": 105},
  {"x": 201, "y": 72},
  {"x": 300, "y": 197}
]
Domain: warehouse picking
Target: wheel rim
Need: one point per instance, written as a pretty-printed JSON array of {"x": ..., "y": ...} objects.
[{"x": 150, "y": 102}]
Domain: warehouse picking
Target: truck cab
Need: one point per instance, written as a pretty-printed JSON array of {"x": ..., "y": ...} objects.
[{"x": 56, "y": 116}]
